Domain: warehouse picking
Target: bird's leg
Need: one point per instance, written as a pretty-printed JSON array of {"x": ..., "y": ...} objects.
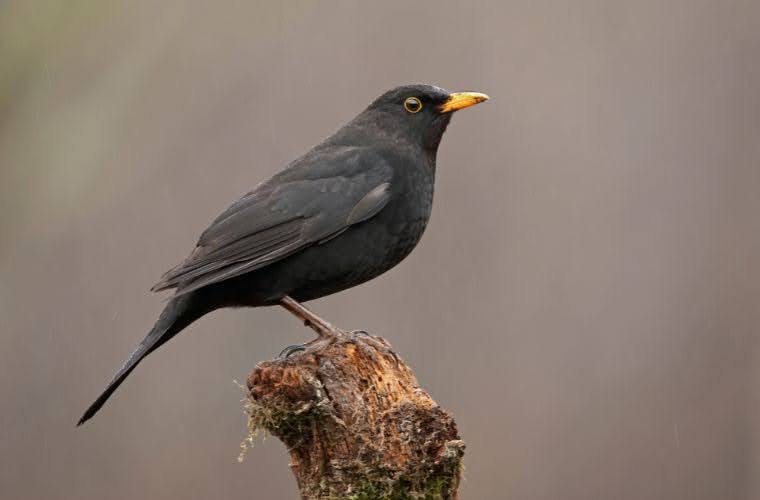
[
  {"x": 324, "y": 329},
  {"x": 326, "y": 333}
]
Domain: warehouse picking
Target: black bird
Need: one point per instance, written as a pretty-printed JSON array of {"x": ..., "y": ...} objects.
[{"x": 345, "y": 212}]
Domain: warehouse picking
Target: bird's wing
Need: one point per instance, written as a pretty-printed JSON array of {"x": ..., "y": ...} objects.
[{"x": 281, "y": 217}]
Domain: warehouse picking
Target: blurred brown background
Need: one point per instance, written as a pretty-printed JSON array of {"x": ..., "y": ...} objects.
[{"x": 585, "y": 300}]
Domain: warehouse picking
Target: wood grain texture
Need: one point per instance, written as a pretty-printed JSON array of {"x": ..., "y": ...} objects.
[{"x": 356, "y": 423}]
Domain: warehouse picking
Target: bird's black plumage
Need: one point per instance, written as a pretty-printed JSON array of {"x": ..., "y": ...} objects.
[{"x": 348, "y": 210}]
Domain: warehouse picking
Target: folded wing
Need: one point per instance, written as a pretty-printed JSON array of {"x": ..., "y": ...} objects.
[{"x": 281, "y": 217}]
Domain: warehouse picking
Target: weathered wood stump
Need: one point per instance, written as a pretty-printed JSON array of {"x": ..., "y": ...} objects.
[{"x": 356, "y": 423}]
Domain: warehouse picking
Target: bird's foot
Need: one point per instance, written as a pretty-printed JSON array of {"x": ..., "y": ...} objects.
[
  {"x": 325, "y": 338},
  {"x": 292, "y": 349},
  {"x": 378, "y": 343}
]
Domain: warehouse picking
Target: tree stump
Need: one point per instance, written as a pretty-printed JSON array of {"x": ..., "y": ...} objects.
[{"x": 356, "y": 423}]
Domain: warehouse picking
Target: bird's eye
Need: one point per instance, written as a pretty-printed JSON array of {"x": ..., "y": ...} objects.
[{"x": 412, "y": 105}]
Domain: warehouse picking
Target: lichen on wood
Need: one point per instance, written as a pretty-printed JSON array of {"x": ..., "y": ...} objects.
[{"x": 356, "y": 423}]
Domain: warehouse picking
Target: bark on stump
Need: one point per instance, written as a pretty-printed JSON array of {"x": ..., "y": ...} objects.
[{"x": 356, "y": 423}]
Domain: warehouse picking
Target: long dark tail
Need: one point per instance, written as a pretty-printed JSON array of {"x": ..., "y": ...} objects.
[{"x": 177, "y": 315}]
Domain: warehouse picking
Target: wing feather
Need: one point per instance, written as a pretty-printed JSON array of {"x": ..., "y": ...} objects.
[
  {"x": 209, "y": 260},
  {"x": 281, "y": 218}
]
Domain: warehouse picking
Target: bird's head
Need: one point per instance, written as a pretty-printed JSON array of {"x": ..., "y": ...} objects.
[{"x": 417, "y": 113}]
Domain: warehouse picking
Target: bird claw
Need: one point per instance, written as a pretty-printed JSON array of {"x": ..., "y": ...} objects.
[
  {"x": 330, "y": 337},
  {"x": 378, "y": 343},
  {"x": 290, "y": 350}
]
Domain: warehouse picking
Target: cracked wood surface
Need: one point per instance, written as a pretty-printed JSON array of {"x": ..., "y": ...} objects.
[{"x": 356, "y": 423}]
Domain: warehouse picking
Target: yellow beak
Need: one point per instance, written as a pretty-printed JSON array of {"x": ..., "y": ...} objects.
[{"x": 461, "y": 100}]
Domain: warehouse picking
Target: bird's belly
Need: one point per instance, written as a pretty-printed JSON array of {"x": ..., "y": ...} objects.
[{"x": 359, "y": 254}]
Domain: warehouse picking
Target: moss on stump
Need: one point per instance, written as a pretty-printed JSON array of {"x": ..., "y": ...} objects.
[{"x": 356, "y": 423}]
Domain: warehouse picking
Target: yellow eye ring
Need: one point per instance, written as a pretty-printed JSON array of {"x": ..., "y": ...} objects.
[{"x": 412, "y": 105}]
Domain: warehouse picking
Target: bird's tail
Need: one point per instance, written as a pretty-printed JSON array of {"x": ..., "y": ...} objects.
[{"x": 177, "y": 315}]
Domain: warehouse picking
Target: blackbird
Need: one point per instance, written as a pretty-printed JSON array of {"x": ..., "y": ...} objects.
[{"x": 345, "y": 212}]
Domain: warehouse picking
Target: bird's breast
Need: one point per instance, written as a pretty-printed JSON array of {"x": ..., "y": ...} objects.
[{"x": 368, "y": 248}]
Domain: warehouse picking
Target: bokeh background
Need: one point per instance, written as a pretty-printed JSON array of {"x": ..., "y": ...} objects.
[{"x": 585, "y": 300}]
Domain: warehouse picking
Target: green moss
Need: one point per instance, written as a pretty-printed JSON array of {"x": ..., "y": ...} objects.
[
  {"x": 420, "y": 485},
  {"x": 425, "y": 481},
  {"x": 283, "y": 419}
]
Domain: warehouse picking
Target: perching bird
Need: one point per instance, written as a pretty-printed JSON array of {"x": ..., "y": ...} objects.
[{"x": 345, "y": 212}]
